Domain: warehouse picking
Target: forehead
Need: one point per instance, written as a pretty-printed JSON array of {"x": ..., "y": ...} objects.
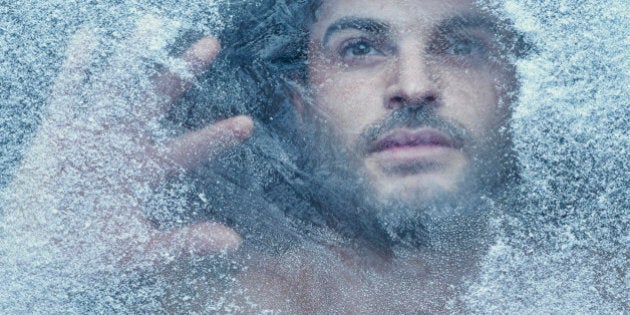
[{"x": 406, "y": 15}]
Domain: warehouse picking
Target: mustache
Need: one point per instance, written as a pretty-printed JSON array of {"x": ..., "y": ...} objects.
[{"x": 412, "y": 117}]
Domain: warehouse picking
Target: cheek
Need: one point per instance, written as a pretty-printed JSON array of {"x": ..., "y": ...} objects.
[
  {"x": 475, "y": 101},
  {"x": 347, "y": 102}
]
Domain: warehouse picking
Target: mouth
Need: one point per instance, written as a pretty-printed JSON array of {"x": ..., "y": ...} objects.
[{"x": 402, "y": 139}]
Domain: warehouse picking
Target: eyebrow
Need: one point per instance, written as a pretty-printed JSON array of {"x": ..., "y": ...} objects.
[{"x": 368, "y": 25}]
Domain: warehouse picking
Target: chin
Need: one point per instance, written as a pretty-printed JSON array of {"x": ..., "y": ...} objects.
[{"x": 417, "y": 189}]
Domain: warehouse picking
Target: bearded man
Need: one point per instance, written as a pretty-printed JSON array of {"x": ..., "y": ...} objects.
[{"x": 403, "y": 113}]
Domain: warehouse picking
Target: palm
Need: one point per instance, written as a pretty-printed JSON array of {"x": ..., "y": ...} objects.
[{"x": 83, "y": 182}]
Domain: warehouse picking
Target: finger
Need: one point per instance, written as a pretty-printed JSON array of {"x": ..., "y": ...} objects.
[
  {"x": 73, "y": 70},
  {"x": 199, "y": 239},
  {"x": 194, "y": 148},
  {"x": 172, "y": 83},
  {"x": 78, "y": 57},
  {"x": 201, "y": 54}
]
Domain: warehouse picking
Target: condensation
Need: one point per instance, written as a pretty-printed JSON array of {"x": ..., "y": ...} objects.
[{"x": 565, "y": 250}]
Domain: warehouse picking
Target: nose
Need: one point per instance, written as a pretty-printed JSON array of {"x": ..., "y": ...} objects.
[{"x": 413, "y": 81}]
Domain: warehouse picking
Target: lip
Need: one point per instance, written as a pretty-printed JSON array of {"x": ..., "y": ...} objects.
[{"x": 400, "y": 139}]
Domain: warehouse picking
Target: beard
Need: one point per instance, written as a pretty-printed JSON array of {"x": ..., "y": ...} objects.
[{"x": 447, "y": 221}]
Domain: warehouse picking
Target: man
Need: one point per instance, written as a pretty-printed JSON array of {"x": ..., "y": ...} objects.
[
  {"x": 406, "y": 112},
  {"x": 406, "y": 105}
]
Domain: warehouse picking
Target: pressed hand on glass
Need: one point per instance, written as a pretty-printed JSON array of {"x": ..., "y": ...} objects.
[{"x": 84, "y": 180}]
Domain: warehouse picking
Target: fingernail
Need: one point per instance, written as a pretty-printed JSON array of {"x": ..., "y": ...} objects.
[{"x": 242, "y": 126}]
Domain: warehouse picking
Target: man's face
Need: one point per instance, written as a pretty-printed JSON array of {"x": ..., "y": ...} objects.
[{"x": 414, "y": 92}]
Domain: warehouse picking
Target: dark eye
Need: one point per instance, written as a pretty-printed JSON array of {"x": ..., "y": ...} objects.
[
  {"x": 464, "y": 47},
  {"x": 356, "y": 50},
  {"x": 360, "y": 49}
]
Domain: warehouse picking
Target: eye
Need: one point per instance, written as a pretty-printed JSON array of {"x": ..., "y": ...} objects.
[
  {"x": 465, "y": 47},
  {"x": 359, "y": 49},
  {"x": 461, "y": 47}
]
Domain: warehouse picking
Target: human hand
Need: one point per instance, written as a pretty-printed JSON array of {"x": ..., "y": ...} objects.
[{"x": 83, "y": 182}]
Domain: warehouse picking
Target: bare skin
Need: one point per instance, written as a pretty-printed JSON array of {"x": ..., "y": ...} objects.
[
  {"x": 341, "y": 280},
  {"x": 96, "y": 156}
]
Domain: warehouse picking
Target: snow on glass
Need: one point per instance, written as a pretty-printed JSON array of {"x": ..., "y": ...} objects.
[{"x": 105, "y": 208}]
